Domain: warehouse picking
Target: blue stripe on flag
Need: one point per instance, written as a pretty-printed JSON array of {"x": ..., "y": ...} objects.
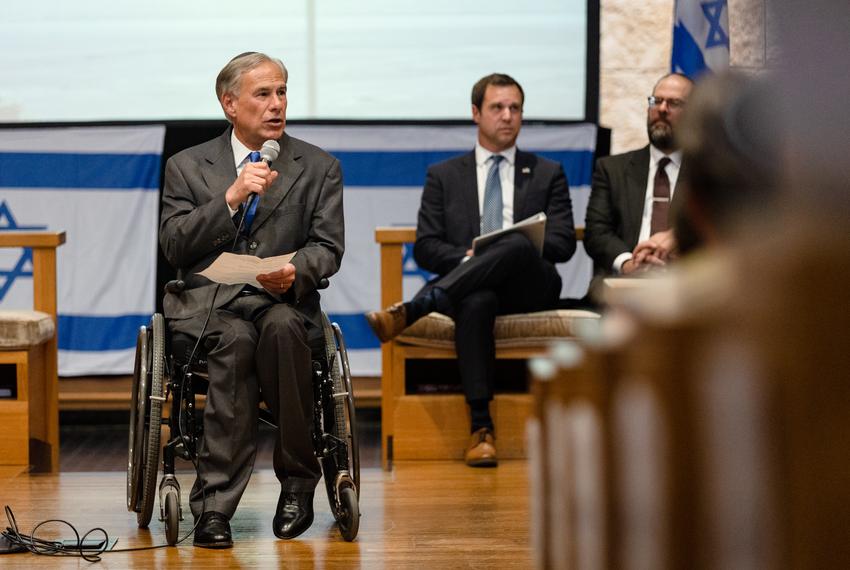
[
  {"x": 388, "y": 168},
  {"x": 687, "y": 56},
  {"x": 578, "y": 164},
  {"x": 70, "y": 171},
  {"x": 355, "y": 330},
  {"x": 93, "y": 333},
  {"x": 397, "y": 168}
]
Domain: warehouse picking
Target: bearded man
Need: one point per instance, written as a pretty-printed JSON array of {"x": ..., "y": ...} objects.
[{"x": 631, "y": 192}]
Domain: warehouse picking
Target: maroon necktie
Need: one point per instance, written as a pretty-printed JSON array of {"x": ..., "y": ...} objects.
[{"x": 660, "y": 198}]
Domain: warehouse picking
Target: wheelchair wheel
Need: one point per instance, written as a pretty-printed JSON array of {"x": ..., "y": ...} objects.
[
  {"x": 345, "y": 416},
  {"x": 171, "y": 515},
  {"x": 349, "y": 514},
  {"x": 152, "y": 400},
  {"x": 138, "y": 412},
  {"x": 340, "y": 463}
]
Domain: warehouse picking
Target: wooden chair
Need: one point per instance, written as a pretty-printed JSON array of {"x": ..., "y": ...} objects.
[
  {"x": 29, "y": 416},
  {"x": 433, "y": 426}
]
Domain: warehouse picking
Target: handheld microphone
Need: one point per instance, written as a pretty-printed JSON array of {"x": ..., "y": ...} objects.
[{"x": 268, "y": 153}]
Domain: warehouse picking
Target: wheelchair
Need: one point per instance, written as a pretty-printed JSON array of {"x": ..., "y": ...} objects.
[{"x": 160, "y": 373}]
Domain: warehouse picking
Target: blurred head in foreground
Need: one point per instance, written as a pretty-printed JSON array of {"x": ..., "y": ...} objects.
[{"x": 730, "y": 136}]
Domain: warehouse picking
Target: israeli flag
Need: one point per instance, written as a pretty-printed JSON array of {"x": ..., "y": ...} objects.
[
  {"x": 100, "y": 185},
  {"x": 384, "y": 171},
  {"x": 700, "y": 37}
]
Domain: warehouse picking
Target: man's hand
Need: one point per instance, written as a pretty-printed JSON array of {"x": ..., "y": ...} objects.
[
  {"x": 661, "y": 244},
  {"x": 255, "y": 178},
  {"x": 629, "y": 267},
  {"x": 278, "y": 282},
  {"x": 654, "y": 252}
]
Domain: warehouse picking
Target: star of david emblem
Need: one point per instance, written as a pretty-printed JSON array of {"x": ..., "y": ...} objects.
[
  {"x": 23, "y": 267},
  {"x": 408, "y": 264},
  {"x": 716, "y": 35}
]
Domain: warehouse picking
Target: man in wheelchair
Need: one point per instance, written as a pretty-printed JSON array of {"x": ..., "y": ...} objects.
[{"x": 218, "y": 197}]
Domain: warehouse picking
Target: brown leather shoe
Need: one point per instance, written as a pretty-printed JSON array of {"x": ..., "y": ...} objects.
[
  {"x": 481, "y": 451},
  {"x": 388, "y": 323}
]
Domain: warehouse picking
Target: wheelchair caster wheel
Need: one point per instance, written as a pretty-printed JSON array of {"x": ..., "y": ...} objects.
[
  {"x": 171, "y": 514},
  {"x": 349, "y": 514}
]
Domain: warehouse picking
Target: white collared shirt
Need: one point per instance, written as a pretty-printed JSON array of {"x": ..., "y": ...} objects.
[
  {"x": 240, "y": 152},
  {"x": 240, "y": 157},
  {"x": 506, "y": 176},
  {"x": 672, "y": 170}
]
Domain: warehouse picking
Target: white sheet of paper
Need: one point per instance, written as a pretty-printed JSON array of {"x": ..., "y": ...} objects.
[{"x": 232, "y": 268}]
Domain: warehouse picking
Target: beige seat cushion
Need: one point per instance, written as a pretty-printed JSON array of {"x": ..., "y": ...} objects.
[
  {"x": 519, "y": 330},
  {"x": 21, "y": 329}
]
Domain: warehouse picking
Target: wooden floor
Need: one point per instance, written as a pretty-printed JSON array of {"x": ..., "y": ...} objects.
[{"x": 420, "y": 515}]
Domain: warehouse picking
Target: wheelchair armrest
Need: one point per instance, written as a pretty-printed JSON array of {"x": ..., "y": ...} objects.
[{"x": 175, "y": 286}]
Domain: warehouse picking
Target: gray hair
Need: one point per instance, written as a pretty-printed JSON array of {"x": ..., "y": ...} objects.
[{"x": 228, "y": 80}]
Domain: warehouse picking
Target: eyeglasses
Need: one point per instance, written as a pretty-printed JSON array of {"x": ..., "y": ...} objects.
[{"x": 671, "y": 103}]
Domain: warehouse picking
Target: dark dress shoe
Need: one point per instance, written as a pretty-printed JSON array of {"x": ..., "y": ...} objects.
[
  {"x": 213, "y": 531},
  {"x": 294, "y": 514}
]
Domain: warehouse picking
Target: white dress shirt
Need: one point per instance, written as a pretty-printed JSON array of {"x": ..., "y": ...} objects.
[{"x": 672, "y": 170}]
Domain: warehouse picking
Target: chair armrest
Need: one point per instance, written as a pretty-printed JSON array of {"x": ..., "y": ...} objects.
[
  {"x": 395, "y": 234},
  {"x": 32, "y": 239}
]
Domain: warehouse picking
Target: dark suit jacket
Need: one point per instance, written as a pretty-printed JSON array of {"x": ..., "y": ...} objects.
[
  {"x": 301, "y": 211},
  {"x": 449, "y": 218},
  {"x": 615, "y": 208}
]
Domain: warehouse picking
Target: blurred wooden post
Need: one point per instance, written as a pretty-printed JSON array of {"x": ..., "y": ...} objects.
[{"x": 569, "y": 463}]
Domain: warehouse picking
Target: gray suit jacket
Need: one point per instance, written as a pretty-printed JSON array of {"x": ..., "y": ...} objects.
[
  {"x": 449, "y": 218},
  {"x": 615, "y": 208},
  {"x": 301, "y": 212}
]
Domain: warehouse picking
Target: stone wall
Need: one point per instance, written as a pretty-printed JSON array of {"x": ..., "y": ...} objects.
[{"x": 635, "y": 43}]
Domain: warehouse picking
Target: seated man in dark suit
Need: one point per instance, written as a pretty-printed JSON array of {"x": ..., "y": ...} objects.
[
  {"x": 489, "y": 188},
  {"x": 632, "y": 192},
  {"x": 258, "y": 338}
]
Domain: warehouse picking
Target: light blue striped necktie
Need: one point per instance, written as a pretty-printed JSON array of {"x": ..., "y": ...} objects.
[
  {"x": 491, "y": 218},
  {"x": 252, "y": 211}
]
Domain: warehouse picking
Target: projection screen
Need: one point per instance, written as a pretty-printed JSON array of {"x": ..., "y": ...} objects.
[{"x": 101, "y": 60}]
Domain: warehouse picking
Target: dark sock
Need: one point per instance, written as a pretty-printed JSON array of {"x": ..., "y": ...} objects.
[
  {"x": 435, "y": 300},
  {"x": 413, "y": 311},
  {"x": 479, "y": 410}
]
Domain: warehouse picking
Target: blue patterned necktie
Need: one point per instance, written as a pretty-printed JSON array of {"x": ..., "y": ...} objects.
[
  {"x": 252, "y": 211},
  {"x": 491, "y": 218}
]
